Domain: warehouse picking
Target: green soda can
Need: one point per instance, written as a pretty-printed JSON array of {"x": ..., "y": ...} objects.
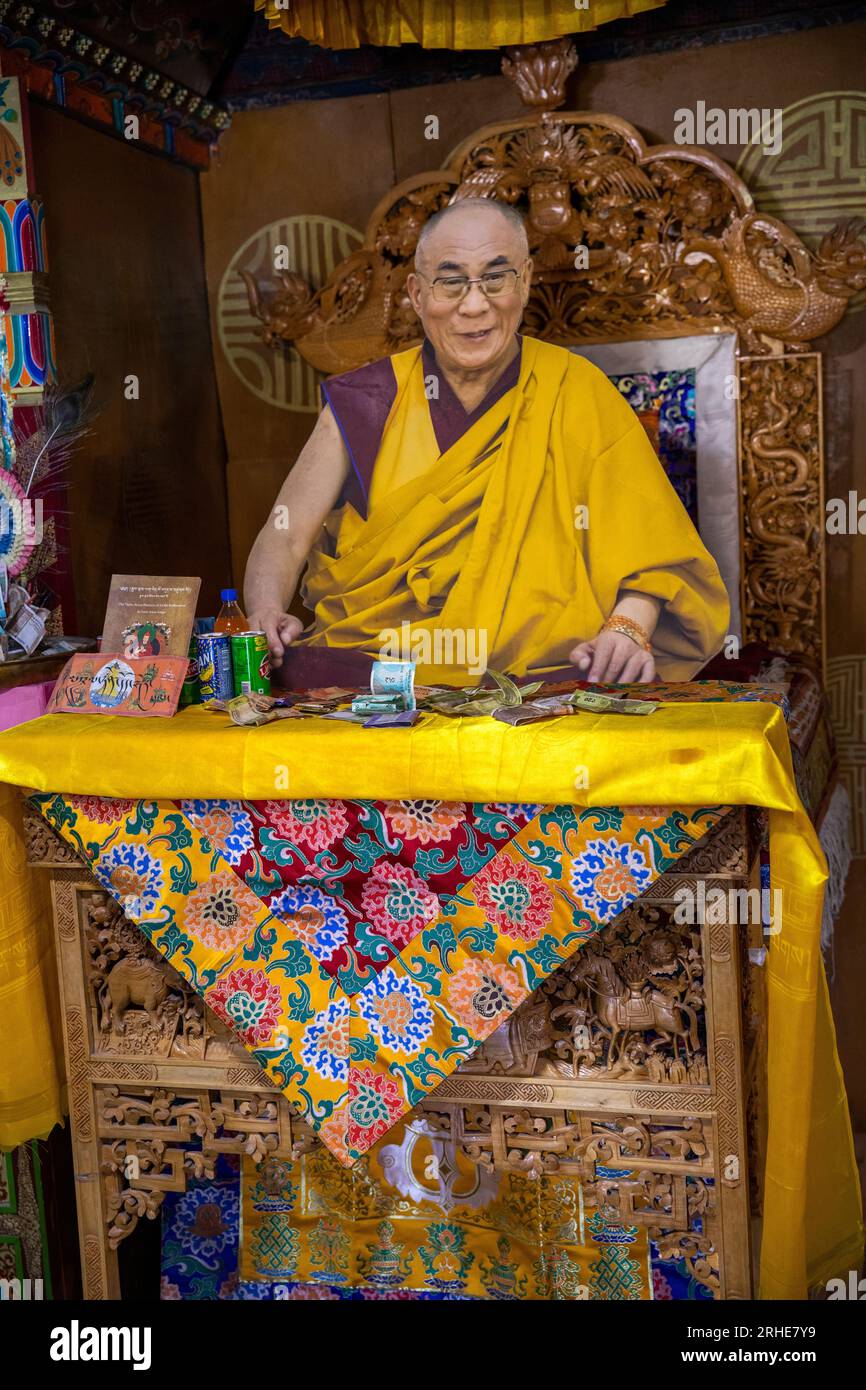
[
  {"x": 251, "y": 663},
  {"x": 190, "y": 694}
]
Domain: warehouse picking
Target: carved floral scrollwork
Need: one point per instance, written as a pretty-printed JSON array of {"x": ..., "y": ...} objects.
[
  {"x": 679, "y": 1213},
  {"x": 43, "y": 845},
  {"x": 152, "y": 1140},
  {"x": 677, "y": 1206},
  {"x": 126, "y": 1207},
  {"x": 156, "y": 1109},
  {"x": 540, "y": 71},
  {"x": 696, "y": 1250}
]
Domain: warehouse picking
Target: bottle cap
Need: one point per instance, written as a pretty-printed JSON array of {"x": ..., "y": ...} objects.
[{"x": 229, "y": 595}]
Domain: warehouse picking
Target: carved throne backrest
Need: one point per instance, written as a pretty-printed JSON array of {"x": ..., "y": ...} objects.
[{"x": 629, "y": 241}]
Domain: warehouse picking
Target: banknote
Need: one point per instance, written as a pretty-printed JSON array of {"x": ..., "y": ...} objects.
[
  {"x": 533, "y": 710},
  {"x": 394, "y": 678},
  {"x": 248, "y": 713},
  {"x": 551, "y": 706},
  {"x": 378, "y": 704},
  {"x": 403, "y": 719},
  {"x": 318, "y": 706},
  {"x": 611, "y": 704},
  {"x": 480, "y": 699}
]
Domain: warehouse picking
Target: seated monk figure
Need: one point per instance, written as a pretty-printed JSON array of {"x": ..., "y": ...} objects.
[{"x": 490, "y": 485}]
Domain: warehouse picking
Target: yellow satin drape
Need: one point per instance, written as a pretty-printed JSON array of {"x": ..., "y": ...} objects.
[
  {"x": 31, "y": 1045},
  {"x": 683, "y": 755},
  {"x": 442, "y": 23}
]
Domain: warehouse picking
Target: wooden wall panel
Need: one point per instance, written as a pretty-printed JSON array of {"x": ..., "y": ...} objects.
[
  {"x": 147, "y": 488},
  {"x": 329, "y": 158},
  {"x": 460, "y": 108}
]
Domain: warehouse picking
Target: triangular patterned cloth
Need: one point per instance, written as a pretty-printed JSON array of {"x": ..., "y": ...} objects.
[{"x": 361, "y": 950}]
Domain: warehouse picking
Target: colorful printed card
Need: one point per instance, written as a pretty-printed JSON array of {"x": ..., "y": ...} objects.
[{"x": 101, "y": 684}]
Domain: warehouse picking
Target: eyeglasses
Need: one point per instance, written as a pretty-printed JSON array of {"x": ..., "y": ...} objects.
[{"x": 453, "y": 288}]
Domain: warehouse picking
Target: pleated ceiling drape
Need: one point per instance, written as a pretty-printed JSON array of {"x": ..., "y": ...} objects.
[{"x": 442, "y": 23}]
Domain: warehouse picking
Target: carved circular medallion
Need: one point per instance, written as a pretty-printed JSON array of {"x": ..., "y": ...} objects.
[
  {"x": 307, "y": 246},
  {"x": 818, "y": 175}
]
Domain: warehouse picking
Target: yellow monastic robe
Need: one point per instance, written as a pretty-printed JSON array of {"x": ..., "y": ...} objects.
[{"x": 527, "y": 530}]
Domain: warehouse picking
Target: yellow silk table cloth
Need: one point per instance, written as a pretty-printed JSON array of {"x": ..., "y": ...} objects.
[{"x": 682, "y": 755}]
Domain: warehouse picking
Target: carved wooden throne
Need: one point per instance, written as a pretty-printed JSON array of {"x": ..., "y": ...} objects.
[{"x": 630, "y": 242}]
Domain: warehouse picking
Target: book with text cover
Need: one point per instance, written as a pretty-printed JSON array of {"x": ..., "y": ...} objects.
[{"x": 149, "y": 615}]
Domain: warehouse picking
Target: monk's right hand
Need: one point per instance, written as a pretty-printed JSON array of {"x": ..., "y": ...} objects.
[{"x": 280, "y": 629}]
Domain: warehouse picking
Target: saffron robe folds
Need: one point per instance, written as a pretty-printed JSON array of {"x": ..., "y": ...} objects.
[{"x": 526, "y": 531}]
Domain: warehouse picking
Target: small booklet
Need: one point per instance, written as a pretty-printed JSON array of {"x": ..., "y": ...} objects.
[{"x": 149, "y": 615}]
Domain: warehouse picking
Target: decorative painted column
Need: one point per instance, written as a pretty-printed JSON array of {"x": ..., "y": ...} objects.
[{"x": 28, "y": 522}]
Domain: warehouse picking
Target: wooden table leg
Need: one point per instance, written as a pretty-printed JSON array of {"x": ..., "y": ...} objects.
[{"x": 99, "y": 1265}]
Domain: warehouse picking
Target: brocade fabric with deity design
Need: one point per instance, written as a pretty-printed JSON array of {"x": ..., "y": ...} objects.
[
  {"x": 484, "y": 1236},
  {"x": 671, "y": 396},
  {"x": 417, "y": 1214}
]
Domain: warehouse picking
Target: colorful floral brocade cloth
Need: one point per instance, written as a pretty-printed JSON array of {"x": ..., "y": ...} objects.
[{"x": 361, "y": 950}]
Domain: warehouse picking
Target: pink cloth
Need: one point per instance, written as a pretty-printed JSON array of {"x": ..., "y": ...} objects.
[{"x": 24, "y": 702}]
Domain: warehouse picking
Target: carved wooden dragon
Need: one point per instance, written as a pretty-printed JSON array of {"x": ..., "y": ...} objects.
[{"x": 777, "y": 286}]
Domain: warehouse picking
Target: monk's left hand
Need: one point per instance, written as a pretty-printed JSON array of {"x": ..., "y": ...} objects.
[{"x": 613, "y": 657}]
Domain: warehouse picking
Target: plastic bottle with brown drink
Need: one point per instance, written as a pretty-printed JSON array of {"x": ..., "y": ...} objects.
[{"x": 230, "y": 618}]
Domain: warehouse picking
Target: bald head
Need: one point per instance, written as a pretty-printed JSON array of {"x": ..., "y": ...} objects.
[
  {"x": 464, "y": 215},
  {"x": 471, "y": 281}
]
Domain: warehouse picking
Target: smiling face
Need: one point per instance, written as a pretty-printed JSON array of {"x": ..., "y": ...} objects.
[{"x": 475, "y": 333}]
